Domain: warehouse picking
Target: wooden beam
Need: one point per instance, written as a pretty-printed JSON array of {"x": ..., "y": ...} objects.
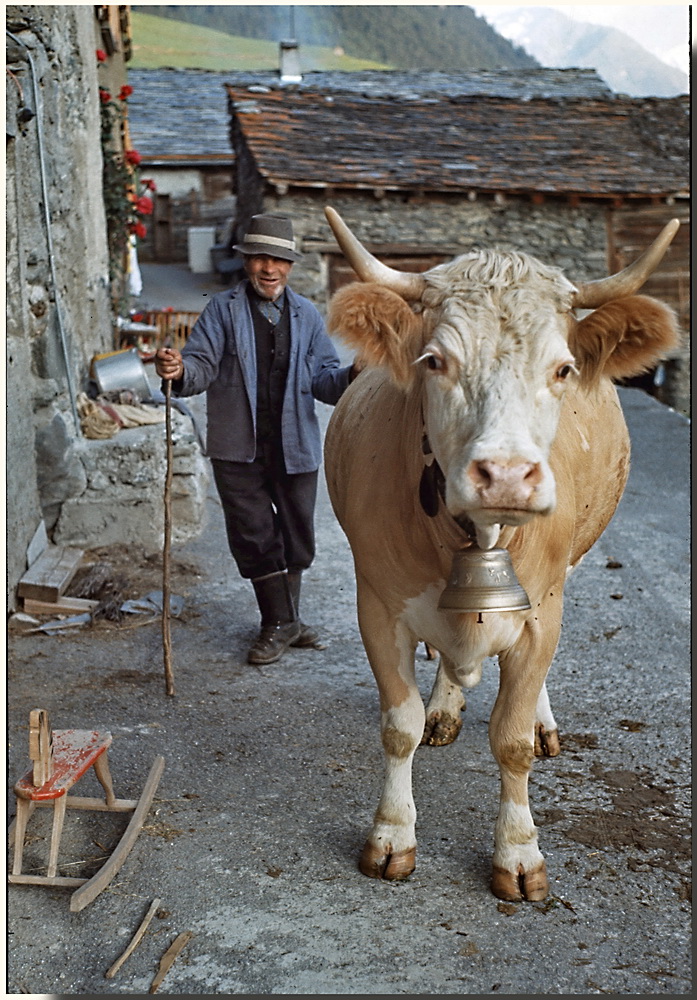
[
  {"x": 64, "y": 605},
  {"x": 47, "y": 578},
  {"x": 93, "y": 804},
  {"x": 63, "y": 881}
]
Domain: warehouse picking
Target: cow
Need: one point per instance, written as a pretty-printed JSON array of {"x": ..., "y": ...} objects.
[{"x": 486, "y": 414}]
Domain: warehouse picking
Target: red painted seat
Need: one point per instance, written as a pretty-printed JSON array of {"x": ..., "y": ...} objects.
[{"x": 75, "y": 751}]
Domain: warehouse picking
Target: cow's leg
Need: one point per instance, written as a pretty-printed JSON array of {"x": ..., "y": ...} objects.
[
  {"x": 546, "y": 733},
  {"x": 518, "y": 865},
  {"x": 390, "y": 850},
  {"x": 443, "y": 722}
]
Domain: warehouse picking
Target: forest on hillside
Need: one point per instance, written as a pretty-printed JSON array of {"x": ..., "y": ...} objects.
[{"x": 404, "y": 37}]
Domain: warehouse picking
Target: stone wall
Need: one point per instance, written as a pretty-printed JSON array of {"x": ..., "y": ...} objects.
[
  {"x": 59, "y": 309},
  {"x": 555, "y": 232},
  {"x": 559, "y": 234},
  {"x": 122, "y": 498}
]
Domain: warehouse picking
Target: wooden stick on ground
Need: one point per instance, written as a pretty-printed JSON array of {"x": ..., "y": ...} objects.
[
  {"x": 166, "y": 638},
  {"x": 135, "y": 940},
  {"x": 168, "y": 958}
]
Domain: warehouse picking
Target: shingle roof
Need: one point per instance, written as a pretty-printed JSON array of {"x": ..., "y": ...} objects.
[
  {"x": 182, "y": 113},
  {"x": 179, "y": 114},
  {"x": 560, "y": 131},
  {"x": 600, "y": 147}
]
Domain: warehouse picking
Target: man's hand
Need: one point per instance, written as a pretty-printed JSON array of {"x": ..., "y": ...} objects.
[
  {"x": 169, "y": 364},
  {"x": 357, "y": 367}
]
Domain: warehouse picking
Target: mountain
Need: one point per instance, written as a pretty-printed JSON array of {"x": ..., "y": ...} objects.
[
  {"x": 555, "y": 40},
  {"x": 402, "y": 37}
]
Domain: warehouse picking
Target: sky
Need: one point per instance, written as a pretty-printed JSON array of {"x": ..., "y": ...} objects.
[{"x": 662, "y": 29}]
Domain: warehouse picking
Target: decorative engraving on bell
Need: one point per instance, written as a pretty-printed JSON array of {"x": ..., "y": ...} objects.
[{"x": 483, "y": 580}]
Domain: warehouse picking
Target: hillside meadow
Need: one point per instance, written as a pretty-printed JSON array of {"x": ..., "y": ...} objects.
[{"x": 160, "y": 41}]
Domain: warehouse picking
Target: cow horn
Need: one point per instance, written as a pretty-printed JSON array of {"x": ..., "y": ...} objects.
[
  {"x": 627, "y": 282},
  {"x": 368, "y": 268}
]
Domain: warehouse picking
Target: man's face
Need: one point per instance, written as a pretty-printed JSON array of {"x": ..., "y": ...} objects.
[{"x": 268, "y": 275}]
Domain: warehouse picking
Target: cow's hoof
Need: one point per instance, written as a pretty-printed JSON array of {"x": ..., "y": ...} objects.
[
  {"x": 378, "y": 864},
  {"x": 440, "y": 729},
  {"x": 525, "y": 885},
  {"x": 546, "y": 743}
]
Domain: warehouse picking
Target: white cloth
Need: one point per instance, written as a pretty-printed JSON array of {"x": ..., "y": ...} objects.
[{"x": 135, "y": 282}]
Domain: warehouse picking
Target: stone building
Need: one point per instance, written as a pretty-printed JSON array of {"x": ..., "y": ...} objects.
[
  {"x": 423, "y": 166},
  {"x": 186, "y": 152},
  {"x": 60, "y": 486}
]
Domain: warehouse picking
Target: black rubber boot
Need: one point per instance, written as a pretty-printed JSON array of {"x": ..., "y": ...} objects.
[
  {"x": 279, "y": 623},
  {"x": 308, "y": 635}
]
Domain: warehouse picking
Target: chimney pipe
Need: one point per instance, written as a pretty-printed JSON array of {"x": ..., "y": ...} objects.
[{"x": 290, "y": 62}]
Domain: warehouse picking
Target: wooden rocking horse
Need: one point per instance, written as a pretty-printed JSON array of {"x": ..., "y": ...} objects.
[{"x": 60, "y": 758}]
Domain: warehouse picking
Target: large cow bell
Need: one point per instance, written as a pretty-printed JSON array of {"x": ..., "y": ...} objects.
[{"x": 483, "y": 580}]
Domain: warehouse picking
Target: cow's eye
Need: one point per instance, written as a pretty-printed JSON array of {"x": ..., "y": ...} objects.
[
  {"x": 563, "y": 371},
  {"x": 434, "y": 361}
]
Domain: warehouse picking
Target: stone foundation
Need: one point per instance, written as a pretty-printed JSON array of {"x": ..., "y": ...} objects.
[{"x": 123, "y": 498}]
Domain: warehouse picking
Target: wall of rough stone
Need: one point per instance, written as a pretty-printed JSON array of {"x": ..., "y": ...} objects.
[
  {"x": 123, "y": 494},
  {"x": 57, "y": 282},
  {"x": 41, "y": 466},
  {"x": 574, "y": 239}
]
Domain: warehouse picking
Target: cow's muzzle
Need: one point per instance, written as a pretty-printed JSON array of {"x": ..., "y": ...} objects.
[{"x": 506, "y": 485}]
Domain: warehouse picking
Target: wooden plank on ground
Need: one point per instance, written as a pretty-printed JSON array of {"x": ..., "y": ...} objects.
[
  {"x": 64, "y": 605},
  {"x": 47, "y": 578}
]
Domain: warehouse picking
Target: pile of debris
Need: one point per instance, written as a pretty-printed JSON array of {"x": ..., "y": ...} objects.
[{"x": 59, "y": 584}]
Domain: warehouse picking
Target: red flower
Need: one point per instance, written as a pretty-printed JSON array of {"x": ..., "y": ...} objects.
[
  {"x": 149, "y": 184},
  {"x": 101, "y": 55},
  {"x": 133, "y": 156},
  {"x": 168, "y": 309},
  {"x": 144, "y": 205},
  {"x": 138, "y": 228},
  {"x": 104, "y": 96},
  {"x": 125, "y": 92}
]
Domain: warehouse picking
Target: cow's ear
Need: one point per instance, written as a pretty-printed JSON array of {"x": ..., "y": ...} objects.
[
  {"x": 623, "y": 338},
  {"x": 379, "y": 325}
]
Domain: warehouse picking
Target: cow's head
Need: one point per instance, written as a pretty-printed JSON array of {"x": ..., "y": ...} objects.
[{"x": 491, "y": 342}]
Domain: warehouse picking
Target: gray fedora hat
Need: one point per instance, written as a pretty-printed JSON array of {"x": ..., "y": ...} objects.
[{"x": 272, "y": 235}]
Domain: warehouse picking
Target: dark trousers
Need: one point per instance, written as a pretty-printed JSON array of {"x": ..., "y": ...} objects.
[{"x": 269, "y": 515}]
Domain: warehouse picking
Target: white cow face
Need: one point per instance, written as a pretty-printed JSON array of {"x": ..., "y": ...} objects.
[{"x": 496, "y": 366}]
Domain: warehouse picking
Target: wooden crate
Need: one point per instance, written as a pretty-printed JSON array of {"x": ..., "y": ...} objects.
[{"x": 173, "y": 327}]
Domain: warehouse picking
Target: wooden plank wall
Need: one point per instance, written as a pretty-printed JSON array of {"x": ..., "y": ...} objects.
[{"x": 631, "y": 231}]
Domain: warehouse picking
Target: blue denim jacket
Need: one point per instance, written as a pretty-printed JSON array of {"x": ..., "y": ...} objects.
[{"x": 220, "y": 359}]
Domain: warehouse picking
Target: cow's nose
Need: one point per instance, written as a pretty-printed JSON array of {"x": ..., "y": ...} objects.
[{"x": 505, "y": 484}]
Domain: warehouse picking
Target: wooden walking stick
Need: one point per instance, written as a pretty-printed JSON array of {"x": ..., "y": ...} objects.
[{"x": 166, "y": 638}]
